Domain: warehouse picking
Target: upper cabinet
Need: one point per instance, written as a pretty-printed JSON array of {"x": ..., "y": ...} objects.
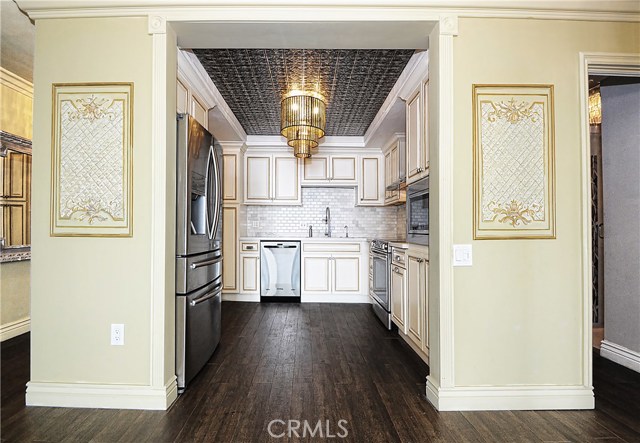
[
  {"x": 188, "y": 103},
  {"x": 328, "y": 170},
  {"x": 371, "y": 181},
  {"x": 394, "y": 159},
  {"x": 417, "y": 134},
  {"x": 271, "y": 180}
]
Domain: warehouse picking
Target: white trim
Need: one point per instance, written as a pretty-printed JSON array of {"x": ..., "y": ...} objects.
[
  {"x": 288, "y": 10},
  {"x": 18, "y": 84},
  {"x": 77, "y": 395},
  {"x": 489, "y": 398},
  {"x": 621, "y": 355},
  {"x": 159, "y": 289},
  {"x": 15, "y": 328},
  {"x": 335, "y": 298},
  {"x": 600, "y": 64},
  {"x": 241, "y": 297}
]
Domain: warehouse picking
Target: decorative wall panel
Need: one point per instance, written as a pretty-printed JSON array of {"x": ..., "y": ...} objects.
[
  {"x": 514, "y": 176},
  {"x": 91, "y": 192}
]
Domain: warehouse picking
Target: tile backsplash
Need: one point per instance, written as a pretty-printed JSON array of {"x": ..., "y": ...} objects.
[{"x": 294, "y": 221}]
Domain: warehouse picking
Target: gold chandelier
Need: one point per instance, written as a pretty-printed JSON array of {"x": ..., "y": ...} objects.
[{"x": 302, "y": 121}]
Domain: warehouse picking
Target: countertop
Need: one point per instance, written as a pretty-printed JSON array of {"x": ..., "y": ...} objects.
[{"x": 307, "y": 239}]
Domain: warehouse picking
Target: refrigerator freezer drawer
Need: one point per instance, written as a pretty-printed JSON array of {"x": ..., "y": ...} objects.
[
  {"x": 198, "y": 322},
  {"x": 196, "y": 271}
]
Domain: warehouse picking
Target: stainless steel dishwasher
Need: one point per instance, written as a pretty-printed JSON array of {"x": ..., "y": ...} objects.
[{"x": 280, "y": 271}]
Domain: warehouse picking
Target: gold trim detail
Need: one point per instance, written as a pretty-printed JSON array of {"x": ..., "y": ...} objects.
[
  {"x": 92, "y": 160},
  {"x": 513, "y": 162}
]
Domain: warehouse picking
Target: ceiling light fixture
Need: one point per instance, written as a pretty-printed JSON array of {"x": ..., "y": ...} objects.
[
  {"x": 595, "y": 107},
  {"x": 302, "y": 121}
]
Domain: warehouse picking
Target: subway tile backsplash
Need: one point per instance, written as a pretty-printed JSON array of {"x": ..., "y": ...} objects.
[{"x": 294, "y": 221}]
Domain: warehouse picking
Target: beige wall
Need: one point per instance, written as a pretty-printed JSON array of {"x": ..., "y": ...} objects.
[
  {"x": 518, "y": 310},
  {"x": 16, "y": 117},
  {"x": 82, "y": 285}
]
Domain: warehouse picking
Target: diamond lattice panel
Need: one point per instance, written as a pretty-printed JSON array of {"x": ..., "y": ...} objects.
[{"x": 355, "y": 83}]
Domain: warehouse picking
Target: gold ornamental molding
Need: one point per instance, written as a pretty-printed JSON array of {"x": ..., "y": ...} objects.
[{"x": 514, "y": 162}]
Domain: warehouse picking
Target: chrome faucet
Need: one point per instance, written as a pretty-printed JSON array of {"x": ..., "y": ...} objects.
[{"x": 327, "y": 220}]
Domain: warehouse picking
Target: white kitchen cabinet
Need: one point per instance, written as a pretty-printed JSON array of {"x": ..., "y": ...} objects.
[
  {"x": 370, "y": 181},
  {"x": 399, "y": 297},
  {"x": 417, "y": 157},
  {"x": 417, "y": 297},
  {"x": 394, "y": 165},
  {"x": 333, "y": 269},
  {"x": 231, "y": 175},
  {"x": 316, "y": 274},
  {"x": 182, "y": 97},
  {"x": 327, "y": 170},
  {"x": 346, "y": 274},
  {"x": 271, "y": 179},
  {"x": 250, "y": 272},
  {"x": 229, "y": 249}
]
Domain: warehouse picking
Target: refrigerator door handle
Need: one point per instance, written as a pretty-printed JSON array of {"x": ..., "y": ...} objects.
[
  {"x": 206, "y": 262},
  {"x": 207, "y": 296},
  {"x": 218, "y": 185},
  {"x": 207, "y": 189}
]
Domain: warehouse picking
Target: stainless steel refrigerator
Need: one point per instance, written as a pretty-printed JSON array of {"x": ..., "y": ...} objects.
[{"x": 198, "y": 248}]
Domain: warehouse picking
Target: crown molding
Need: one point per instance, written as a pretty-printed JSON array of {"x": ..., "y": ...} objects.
[
  {"x": 326, "y": 142},
  {"x": 216, "y": 10},
  {"x": 18, "y": 84}
]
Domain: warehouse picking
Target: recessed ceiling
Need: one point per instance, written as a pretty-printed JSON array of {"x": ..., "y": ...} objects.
[{"x": 355, "y": 83}]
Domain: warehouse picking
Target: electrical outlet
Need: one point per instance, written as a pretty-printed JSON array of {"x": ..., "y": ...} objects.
[{"x": 117, "y": 334}]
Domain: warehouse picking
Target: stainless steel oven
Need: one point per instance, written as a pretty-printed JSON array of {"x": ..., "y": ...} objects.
[
  {"x": 379, "y": 259},
  {"x": 418, "y": 212}
]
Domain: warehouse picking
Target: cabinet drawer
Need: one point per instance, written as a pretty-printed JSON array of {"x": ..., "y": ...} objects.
[
  {"x": 249, "y": 246},
  {"x": 331, "y": 247},
  {"x": 399, "y": 257}
]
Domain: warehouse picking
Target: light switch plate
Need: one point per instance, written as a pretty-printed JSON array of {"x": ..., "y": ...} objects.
[{"x": 462, "y": 255}]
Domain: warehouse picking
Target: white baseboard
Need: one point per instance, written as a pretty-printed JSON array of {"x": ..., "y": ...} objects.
[
  {"x": 621, "y": 355},
  {"x": 518, "y": 398},
  {"x": 78, "y": 395},
  {"x": 15, "y": 328},
  {"x": 335, "y": 298},
  {"x": 241, "y": 297}
]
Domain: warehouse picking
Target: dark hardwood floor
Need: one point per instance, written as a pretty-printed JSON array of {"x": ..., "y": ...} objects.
[{"x": 314, "y": 362}]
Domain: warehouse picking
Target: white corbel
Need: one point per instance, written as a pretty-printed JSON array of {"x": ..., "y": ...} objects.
[
  {"x": 157, "y": 24},
  {"x": 448, "y": 25}
]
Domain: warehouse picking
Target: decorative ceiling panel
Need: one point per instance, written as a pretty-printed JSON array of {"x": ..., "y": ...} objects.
[{"x": 355, "y": 83}]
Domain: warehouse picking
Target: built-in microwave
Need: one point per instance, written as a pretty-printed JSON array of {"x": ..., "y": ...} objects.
[{"x": 418, "y": 212}]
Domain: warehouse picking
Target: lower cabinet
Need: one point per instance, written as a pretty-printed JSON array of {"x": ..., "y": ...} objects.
[
  {"x": 346, "y": 274},
  {"x": 399, "y": 297},
  {"x": 250, "y": 273},
  {"x": 417, "y": 298},
  {"x": 229, "y": 248},
  {"x": 331, "y": 274},
  {"x": 316, "y": 274}
]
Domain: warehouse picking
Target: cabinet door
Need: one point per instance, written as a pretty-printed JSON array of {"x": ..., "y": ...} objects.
[
  {"x": 424, "y": 135},
  {"x": 371, "y": 193},
  {"x": 286, "y": 185},
  {"x": 258, "y": 179},
  {"x": 199, "y": 112},
  {"x": 229, "y": 248},
  {"x": 415, "y": 297},
  {"x": 346, "y": 274},
  {"x": 182, "y": 98},
  {"x": 316, "y": 168},
  {"x": 394, "y": 164},
  {"x": 316, "y": 274},
  {"x": 230, "y": 177},
  {"x": 250, "y": 274},
  {"x": 425, "y": 310},
  {"x": 14, "y": 175},
  {"x": 343, "y": 169},
  {"x": 398, "y": 297},
  {"x": 413, "y": 137}
]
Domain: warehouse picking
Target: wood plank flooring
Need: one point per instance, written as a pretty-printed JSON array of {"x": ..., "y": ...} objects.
[{"x": 313, "y": 362}]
